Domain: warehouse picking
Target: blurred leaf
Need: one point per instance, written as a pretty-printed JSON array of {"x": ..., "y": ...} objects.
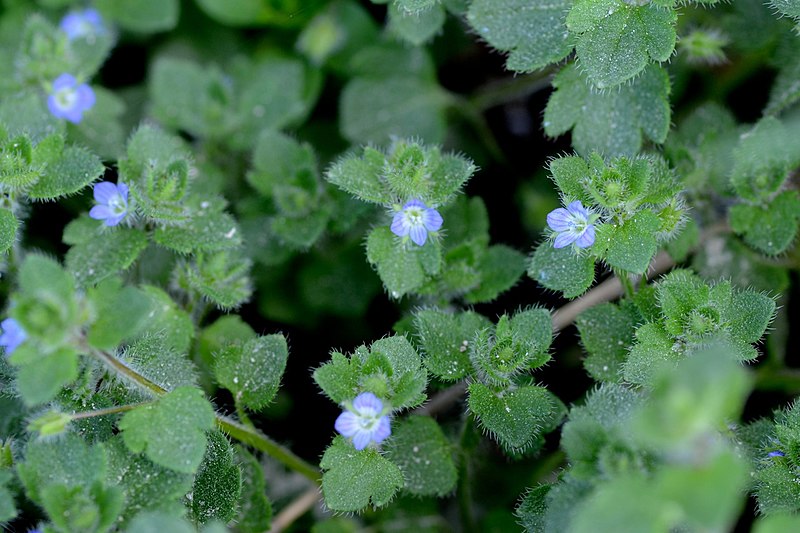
[{"x": 145, "y": 16}]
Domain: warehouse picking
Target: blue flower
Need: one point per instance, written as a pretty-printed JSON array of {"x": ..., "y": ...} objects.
[
  {"x": 364, "y": 421},
  {"x": 78, "y": 24},
  {"x": 112, "y": 202},
  {"x": 776, "y": 453},
  {"x": 69, "y": 99},
  {"x": 13, "y": 335},
  {"x": 417, "y": 220},
  {"x": 573, "y": 224}
]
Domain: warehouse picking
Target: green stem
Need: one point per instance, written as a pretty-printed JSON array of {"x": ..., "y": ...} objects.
[
  {"x": 464, "y": 491},
  {"x": 244, "y": 434},
  {"x": 627, "y": 284},
  {"x": 778, "y": 379},
  {"x": 242, "y": 414},
  {"x": 107, "y": 411},
  {"x": 261, "y": 442}
]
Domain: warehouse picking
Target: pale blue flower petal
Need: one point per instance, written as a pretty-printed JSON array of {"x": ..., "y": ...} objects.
[
  {"x": 577, "y": 209},
  {"x": 367, "y": 402},
  {"x": 586, "y": 238},
  {"x": 104, "y": 192},
  {"x": 100, "y": 212},
  {"x": 347, "y": 424},
  {"x": 383, "y": 430},
  {"x": 399, "y": 226},
  {"x": 564, "y": 239},
  {"x": 12, "y": 336},
  {"x": 559, "y": 220},
  {"x": 361, "y": 439},
  {"x": 432, "y": 220},
  {"x": 419, "y": 235},
  {"x": 415, "y": 202}
]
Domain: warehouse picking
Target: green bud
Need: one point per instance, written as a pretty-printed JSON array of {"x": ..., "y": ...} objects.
[{"x": 50, "y": 423}]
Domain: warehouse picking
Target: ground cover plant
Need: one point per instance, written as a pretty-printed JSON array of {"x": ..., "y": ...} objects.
[{"x": 399, "y": 265}]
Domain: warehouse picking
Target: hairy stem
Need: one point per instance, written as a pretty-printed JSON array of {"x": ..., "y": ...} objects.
[{"x": 108, "y": 411}]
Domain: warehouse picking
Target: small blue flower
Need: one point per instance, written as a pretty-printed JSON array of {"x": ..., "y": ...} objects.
[
  {"x": 364, "y": 421},
  {"x": 69, "y": 99},
  {"x": 13, "y": 335},
  {"x": 112, "y": 202},
  {"x": 417, "y": 220},
  {"x": 776, "y": 453},
  {"x": 80, "y": 24},
  {"x": 573, "y": 224}
]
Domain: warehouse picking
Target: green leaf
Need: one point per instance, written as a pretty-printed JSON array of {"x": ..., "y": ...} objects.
[
  {"x": 769, "y": 229},
  {"x": 226, "y": 330},
  {"x": 401, "y": 267},
  {"x": 501, "y": 267},
  {"x": 361, "y": 176},
  {"x": 424, "y": 456},
  {"x": 41, "y": 376},
  {"x": 82, "y": 508},
  {"x": 150, "y": 521},
  {"x": 607, "y": 334},
  {"x": 750, "y": 314},
  {"x": 166, "y": 317},
  {"x": 391, "y": 370},
  {"x": 532, "y": 508},
  {"x": 777, "y": 523},
  {"x": 569, "y": 174},
  {"x": 632, "y": 245},
  {"x": 252, "y": 372},
  {"x": 106, "y": 253},
  {"x": 208, "y": 229},
  {"x": 376, "y": 110},
  {"x": 561, "y": 269},
  {"x": 279, "y": 160},
  {"x": 275, "y": 92},
  {"x": 508, "y": 25},
  {"x": 787, "y": 7},
  {"x": 612, "y": 122},
  {"x": 255, "y": 12},
  {"x": 691, "y": 400},
  {"x": 8, "y": 229},
  {"x": 146, "y": 485},
  {"x": 153, "y": 357},
  {"x": 653, "y": 349},
  {"x": 8, "y": 511},
  {"x": 415, "y": 6},
  {"x": 764, "y": 159},
  {"x": 352, "y": 480},
  {"x": 222, "y": 277},
  {"x": 444, "y": 341},
  {"x": 218, "y": 483},
  {"x": 68, "y": 461},
  {"x": 121, "y": 313},
  {"x": 187, "y": 413},
  {"x": 514, "y": 417},
  {"x": 255, "y": 510},
  {"x": 145, "y": 16},
  {"x": 416, "y": 27},
  {"x": 74, "y": 169},
  {"x": 785, "y": 91},
  {"x": 189, "y": 97},
  {"x": 616, "y": 40}
]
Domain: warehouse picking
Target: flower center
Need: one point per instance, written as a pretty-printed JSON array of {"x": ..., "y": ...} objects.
[
  {"x": 117, "y": 204},
  {"x": 66, "y": 97},
  {"x": 414, "y": 216}
]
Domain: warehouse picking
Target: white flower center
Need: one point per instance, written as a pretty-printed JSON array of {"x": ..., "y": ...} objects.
[
  {"x": 66, "y": 97},
  {"x": 414, "y": 216},
  {"x": 117, "y": 204}
]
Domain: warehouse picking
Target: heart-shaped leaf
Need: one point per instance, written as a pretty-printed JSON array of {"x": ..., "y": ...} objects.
[{"x": 515, "y": 417}]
